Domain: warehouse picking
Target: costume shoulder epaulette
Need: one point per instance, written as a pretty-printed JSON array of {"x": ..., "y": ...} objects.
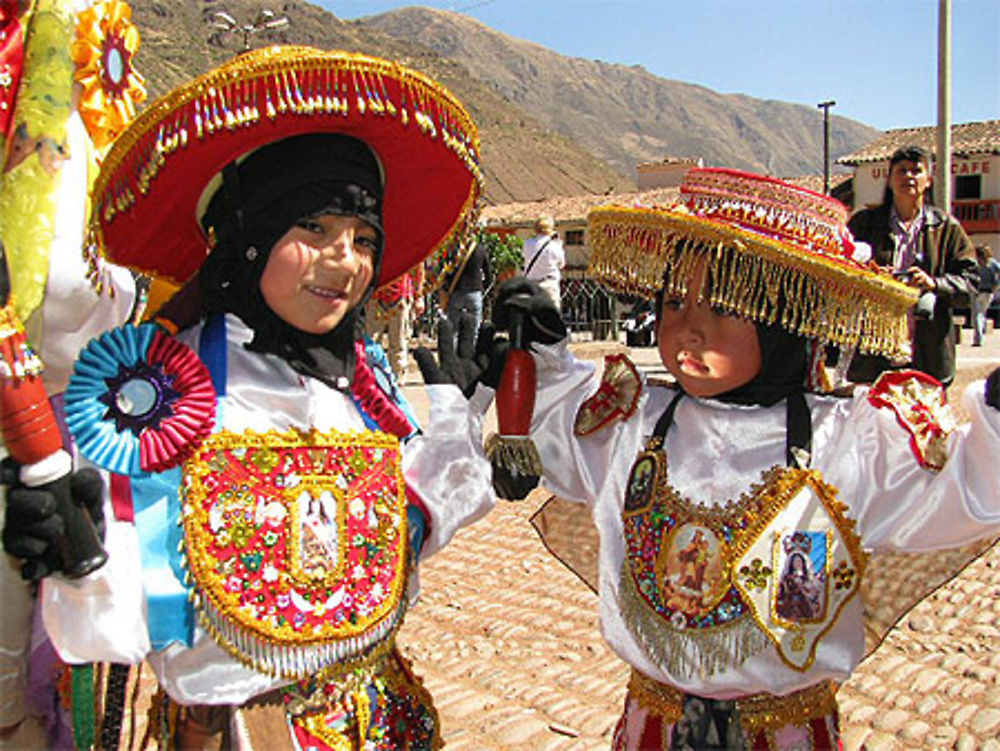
[
  {"x": 616, "y": 398},
  {"x": 921, "y": 408}
]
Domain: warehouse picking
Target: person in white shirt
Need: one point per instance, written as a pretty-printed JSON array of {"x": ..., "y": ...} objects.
[{"x": 544, "y": 257}]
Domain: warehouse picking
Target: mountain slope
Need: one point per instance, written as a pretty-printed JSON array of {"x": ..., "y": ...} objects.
[
  {"x": 522, "y": 160},
  {"x": 625, "y": 115}
]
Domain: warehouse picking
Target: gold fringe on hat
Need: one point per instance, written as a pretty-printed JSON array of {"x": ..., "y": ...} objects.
[
  {"x": 268, "y": 94},
  {"x": 757, "y": 277}
]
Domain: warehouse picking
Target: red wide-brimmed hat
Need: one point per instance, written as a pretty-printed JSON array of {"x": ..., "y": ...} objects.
[
  {"x": 777, "y": 254},
  {"x": 146, "y": 196}
]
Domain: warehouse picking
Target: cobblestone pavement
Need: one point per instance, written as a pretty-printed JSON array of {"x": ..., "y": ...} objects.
[{"x": 508, "y": 642}]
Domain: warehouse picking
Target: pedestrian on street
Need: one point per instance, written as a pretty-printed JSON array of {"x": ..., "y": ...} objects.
[{"x": 926, "y": 248}]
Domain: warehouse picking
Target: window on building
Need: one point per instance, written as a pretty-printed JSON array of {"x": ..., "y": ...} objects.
[
  {"x": 968, "y": 187},
  {"x": 574, "y": 237}
]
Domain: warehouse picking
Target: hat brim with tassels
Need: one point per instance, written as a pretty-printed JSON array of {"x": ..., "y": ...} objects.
[
  {"x": 146, "y": 196},
  {"x": 776, "y": 253}
]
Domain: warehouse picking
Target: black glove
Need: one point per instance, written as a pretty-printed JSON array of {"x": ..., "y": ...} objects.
[
  {"x": 49, "y": 526},
  {"x": 542, "y": 321},
  {"x": 993, "y": 389},
  {"x": 479, "y": 358},
  {"x": 511, "y": 485}
]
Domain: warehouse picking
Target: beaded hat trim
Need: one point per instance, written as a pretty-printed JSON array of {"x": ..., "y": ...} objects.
[
  {"x": 776, "y": 253},
  {"x": 146, "y": 194}
]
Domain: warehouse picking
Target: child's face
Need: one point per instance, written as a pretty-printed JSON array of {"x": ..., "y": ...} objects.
[
  {"x": 319, "y": 270},
  {"x": 707, "y": 351}
]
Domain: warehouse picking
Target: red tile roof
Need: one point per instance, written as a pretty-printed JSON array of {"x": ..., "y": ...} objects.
[{"x": 967, "y": 139}]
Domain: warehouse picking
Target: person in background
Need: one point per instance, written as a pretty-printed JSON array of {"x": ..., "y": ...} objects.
[
  {"x": 989, "y": 282},
  {"x": 389, "y": 318},
  {"x": 544, "y": 258},
  {"x": 467, "y": 287},
  {"x": 928, "y": 249}
]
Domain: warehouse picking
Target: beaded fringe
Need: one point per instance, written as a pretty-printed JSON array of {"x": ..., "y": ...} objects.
[
  {"x": 289, "y": 661},
  {"x": 752, "y": 276},
  {"x": 690, "y": 652},
  {"x": 513, "y": 452}
]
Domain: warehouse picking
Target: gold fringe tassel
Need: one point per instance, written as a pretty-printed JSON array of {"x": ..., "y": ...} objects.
[
  {"x": 514, "y": 452},
  {"x": 752, "y": 276}
]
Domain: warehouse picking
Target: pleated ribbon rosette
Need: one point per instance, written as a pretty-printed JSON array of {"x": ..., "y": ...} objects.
[{"x": 139, "y": 401}]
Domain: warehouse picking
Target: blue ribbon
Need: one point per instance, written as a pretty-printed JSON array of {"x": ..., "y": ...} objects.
[
  {"x": 157, "y": 506},
  {"x": 156, "y": 503}
]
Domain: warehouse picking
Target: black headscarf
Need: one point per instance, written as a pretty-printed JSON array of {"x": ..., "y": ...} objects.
[
  {"x": 783, "y": 369},
  {"x": 260, "y": 199}
]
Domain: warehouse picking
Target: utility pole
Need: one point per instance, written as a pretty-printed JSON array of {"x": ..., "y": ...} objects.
[
  {"x": 942, "y": 178},
  {"x": 825, "y": 106}
]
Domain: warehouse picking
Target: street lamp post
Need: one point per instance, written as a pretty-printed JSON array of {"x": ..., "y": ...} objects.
[{"x": 825, "y": 106}]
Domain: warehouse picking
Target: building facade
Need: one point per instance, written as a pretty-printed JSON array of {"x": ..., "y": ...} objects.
[{"x": 975, "y": 174}]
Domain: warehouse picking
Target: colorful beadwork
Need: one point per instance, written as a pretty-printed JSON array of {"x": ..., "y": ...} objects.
[
  {"x": 297, "y": 545},
  {"x": 385, "y": 709},
  {"x": 17, "y": 358},
  {"x": 706, "y": 587}
]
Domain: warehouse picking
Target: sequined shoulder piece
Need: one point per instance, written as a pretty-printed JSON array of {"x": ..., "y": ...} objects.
[
  {"x": 921, "y": 408},
  {"x": 616, "y": 398}
]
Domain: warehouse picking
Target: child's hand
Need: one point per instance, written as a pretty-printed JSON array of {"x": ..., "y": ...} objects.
[
  {"x": 542, "y": 322},
  {"x": 38, "y": 527},
  {"x": 993, "y": 389},
  {"x": 479, "y": 357}
]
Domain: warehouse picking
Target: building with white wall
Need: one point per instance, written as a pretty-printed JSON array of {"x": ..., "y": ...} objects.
[{"x": 975, "y": 174}]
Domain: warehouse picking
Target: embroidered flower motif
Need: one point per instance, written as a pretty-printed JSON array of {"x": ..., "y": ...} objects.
[
  {"x": 843, "y": 576},
  {"x": 678, "y": 620},
  {"x": 265, "y": 460},
  {"x": 269, "y": 573},
  {"x": 756, "y": 574}
]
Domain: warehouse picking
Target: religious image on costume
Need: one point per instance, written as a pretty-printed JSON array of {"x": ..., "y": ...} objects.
[
  {"x": 692, "y": 570},
  {"x": 801, "y": 593},
  {"x": 318, "y": 532},
  {"x": 640, "y": 484}
]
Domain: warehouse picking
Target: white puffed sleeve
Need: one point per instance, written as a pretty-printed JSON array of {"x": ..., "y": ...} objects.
[
  {"x": 900, "y": 505},
  {"x": 100, "y": 617},
  {"x": 447, "y": 467}
]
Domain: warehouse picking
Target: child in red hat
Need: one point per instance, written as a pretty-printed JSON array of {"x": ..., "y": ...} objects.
[
  {"x": 738, "y": 506},
  {"x": 281, "y": 496}
]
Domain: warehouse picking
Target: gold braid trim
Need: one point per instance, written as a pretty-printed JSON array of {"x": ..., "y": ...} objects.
[
  {"x": 757, "y": 712},
  {"x": 769, "y": 712},
  {"x": 657, "y": 698},
  {"x": 750, "y": 275}
]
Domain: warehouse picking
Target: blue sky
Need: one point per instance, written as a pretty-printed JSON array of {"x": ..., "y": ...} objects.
[{"x": 877, "y": 59}]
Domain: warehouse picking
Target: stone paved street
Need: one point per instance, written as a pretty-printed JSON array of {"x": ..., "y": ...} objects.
[{"x": 508, "y": 642}]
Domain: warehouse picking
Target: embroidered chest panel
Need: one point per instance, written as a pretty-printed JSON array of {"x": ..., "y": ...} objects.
[
  {"x": 706, "y": 587},
  {"x": 297, "y": 545}
]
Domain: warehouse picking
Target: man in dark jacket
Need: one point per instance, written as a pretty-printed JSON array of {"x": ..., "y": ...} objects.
[{"x": 929, "y": 250}]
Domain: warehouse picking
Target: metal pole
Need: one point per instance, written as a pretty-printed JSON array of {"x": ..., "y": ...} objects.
[
  {"x": 942, "y": 178},
  {"x": 825, "y": 106}
]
